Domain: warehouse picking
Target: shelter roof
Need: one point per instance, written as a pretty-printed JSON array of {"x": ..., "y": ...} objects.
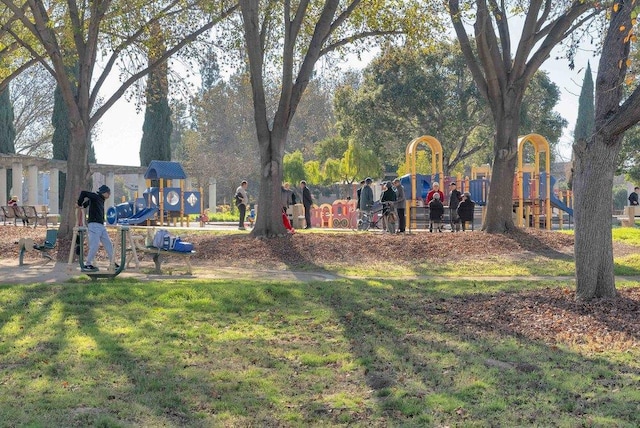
[{"x": 165, "y": 169}]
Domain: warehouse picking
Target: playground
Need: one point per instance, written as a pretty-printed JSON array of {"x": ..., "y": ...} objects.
[{"x": 325, "y": 328}]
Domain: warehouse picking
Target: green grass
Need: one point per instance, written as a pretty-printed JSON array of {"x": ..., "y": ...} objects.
[
  {"x": 627, "y": 235},
  {"x": 240, "y": 353}
]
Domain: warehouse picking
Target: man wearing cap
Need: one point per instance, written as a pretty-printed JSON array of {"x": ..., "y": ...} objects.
[
  {"x": 454, "y": 200},
  {"x": 96, "y": 231}
]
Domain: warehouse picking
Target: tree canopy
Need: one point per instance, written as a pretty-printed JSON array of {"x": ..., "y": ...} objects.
[
  {"x": 94, "y": 37},
  {"x": 292, "y": 37}
]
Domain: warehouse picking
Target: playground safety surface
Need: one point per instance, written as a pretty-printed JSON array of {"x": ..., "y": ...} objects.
[{"x": 303, "y": 256}]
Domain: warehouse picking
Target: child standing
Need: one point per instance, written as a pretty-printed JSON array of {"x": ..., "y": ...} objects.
[{"x": 436, "y": 212}]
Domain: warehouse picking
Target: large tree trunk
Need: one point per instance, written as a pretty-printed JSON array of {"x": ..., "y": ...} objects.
[
  {"x": 269, "y": 219},
  {"x": 77, "y": 179},
  {"x": 499, "y": 218},
  {"x": 594, "y": 169}
]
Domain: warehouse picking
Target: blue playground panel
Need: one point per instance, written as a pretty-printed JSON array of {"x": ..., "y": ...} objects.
[
  {"x": 422, "y": 185},
  {"x": 479, "y": 188},
  {"x": 172, "y": 199}
]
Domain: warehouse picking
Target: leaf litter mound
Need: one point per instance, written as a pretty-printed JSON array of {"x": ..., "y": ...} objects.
[{"x": 550, "y": 315}]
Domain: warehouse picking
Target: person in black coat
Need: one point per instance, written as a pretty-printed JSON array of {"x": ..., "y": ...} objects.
[
  {"x": 307, "y": 201},
  {"x": 465, "y": 210},
  {"x": 454, "y": 201},
  {"x": 436, "y": 212},
  {"x": 633, "y": 197}
]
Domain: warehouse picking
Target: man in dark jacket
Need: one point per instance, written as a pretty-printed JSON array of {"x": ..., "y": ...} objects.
[
  {"x": 633, "y": 197},
  {"x": 96, "y": 231},
  {"x": 307, "y": 201},
  {"x": 400, "y": 205},
  {"x": 454, "y": 200}
]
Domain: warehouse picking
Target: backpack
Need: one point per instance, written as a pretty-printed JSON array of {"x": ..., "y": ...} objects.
[
  {"x": 238, "y": 197},
  {"x": 181, "y": 246},
  {"x": 162, "y": 239}
]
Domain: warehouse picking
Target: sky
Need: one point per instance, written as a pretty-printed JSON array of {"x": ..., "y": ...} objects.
[{"x": 120, "y": 129}]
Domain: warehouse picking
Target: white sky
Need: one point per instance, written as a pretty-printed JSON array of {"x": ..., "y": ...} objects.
[{"x": 120, "y": 129}]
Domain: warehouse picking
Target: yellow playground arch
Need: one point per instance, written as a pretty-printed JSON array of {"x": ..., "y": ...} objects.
[
  {"x": 540, "y": 145},
  {"x": 411, "y": 159}
]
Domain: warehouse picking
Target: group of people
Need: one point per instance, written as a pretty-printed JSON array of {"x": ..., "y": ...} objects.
[
  {"x": 288, "y": 198},
  {"x": 393, "y": 203},
  {"x": 461, "y": 208}
]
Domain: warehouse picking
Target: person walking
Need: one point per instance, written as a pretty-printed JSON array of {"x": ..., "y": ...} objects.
[
  {"x": 242, "y": 202},
  {"x": 454, "y": 201},
  {"x": 307, "y": 201},
  {"x": 96, "y": 231},
  {"x": 400, "y": 205},
  {"x": 633, "y": 197}
]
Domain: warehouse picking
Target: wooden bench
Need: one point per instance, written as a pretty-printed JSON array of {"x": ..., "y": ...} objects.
[
  {"x": 8, "y": 213},
  {"x": 44, "y": 216},
  {"x": 159, "y": 255}
]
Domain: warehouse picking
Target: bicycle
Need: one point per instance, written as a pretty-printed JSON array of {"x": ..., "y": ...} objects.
[{"x": 371, "y": 220}]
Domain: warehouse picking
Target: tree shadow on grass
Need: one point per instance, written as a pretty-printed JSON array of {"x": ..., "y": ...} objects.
[
  {"x": 532, "y": 243},
  {"x": 423, "y": 345}
]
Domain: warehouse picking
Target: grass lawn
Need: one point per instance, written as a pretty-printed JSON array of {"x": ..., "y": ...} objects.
[{"x": 249, "y": 353}]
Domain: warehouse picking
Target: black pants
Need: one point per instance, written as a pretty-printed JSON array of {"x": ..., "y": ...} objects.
[
  {"x": 307, "y": 216},
  {"x": 243, "y": 212},
  {"x": 402, "y": 220}
]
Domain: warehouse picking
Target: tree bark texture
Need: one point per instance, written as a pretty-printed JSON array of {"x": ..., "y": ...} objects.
[
  {"x": 77, "y": 179},
  {"x": 593, "y": 187},
  {"x": 596, "y": 161},
  {"x": 499, "y": 217},
  {"x": 269, "y": 213}
]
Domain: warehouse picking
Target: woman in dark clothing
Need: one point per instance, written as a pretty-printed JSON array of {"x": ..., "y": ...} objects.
[
  {"x": 465, "y": 210},
  {"x": 388, "y": 200},
  {"x": 436, "y": 212}
]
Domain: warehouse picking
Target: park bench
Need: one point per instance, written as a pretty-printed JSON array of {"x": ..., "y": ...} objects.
[
  {"x": 32, "y": 215},
  {"x": 8, "y": 214},
  {"x": 45, "y": 249},
  {"x": 158, "y": 255}
]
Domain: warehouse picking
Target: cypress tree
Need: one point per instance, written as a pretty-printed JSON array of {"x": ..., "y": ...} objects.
[
  {"x": 586, "y": 108},
  {"x": 157, "y": 127},
  {"x": 586, "y": 115},
  {"x": 7, "y": 127}
]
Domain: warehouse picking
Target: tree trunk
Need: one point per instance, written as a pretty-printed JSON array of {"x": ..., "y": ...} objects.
[
  {"x": 499, "y": 218},
  {"x": 594, "y": 169},
  {"x": 77, "y": 180},
  {"x": 269, "y": 213}
]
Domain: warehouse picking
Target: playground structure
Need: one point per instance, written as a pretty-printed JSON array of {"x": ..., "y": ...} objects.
[
  {"x": 533, "y": 196},
  {"x": 165, "y": 203}
]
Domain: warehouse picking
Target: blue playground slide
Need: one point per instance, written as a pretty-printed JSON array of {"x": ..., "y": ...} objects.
[
  {"x": 555, "y": 202},
  {"x": 139, "y": 217}
]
